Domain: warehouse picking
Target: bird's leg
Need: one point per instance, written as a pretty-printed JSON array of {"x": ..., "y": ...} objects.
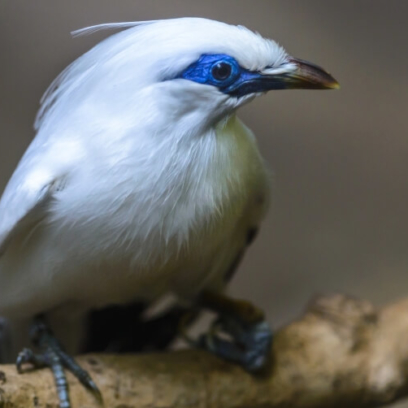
[
  {"x": 53, "y": 356},
  {"x": 250, "y": 337}
]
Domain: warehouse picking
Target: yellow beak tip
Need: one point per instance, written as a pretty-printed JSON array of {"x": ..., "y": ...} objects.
[{"x": 335, "y": 85}]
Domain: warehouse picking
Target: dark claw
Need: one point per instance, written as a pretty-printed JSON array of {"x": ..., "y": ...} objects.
[
  {"x": 54, "y": 357},
  {"x": 26, "y": 356},
  {"x": 249, "y": 347},
  {"x": 83, "y": 377}
]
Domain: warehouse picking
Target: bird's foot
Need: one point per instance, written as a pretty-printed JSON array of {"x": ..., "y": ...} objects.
[
  {"x": 53, "y": 356},
  {"x": 247, "y": 345},
  {"x": 240, "y": 334}
]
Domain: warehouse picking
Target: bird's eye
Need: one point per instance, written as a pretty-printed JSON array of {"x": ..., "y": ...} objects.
[{"x": 221, "y": 71}]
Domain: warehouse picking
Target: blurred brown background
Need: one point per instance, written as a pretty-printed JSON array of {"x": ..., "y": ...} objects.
[{"x": 340, "y": 215}]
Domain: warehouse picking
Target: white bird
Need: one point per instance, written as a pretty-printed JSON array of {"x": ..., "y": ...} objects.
[{"x": 141, "y": 180}]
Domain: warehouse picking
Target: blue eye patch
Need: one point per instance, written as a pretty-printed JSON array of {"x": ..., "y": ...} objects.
[
  {"x": 214, "y": 69},
  {"x": 224, "y": 72}
]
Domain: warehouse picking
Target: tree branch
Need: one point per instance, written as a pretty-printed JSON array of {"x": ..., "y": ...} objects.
[{"x": 341, "y": 353}]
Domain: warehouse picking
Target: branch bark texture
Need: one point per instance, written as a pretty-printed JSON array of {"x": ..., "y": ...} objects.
[{"x": 341, "y": 353}]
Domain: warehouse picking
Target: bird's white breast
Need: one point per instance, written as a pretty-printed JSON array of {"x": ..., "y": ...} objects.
[{"x": 142, "y": 225}]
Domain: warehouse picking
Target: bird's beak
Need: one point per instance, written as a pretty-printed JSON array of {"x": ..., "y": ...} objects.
[
  {"x": 301, "y": 74},
  {"x": 293, "y": 74}
]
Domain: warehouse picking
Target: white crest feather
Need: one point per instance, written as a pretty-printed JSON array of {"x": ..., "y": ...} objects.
[{"x": 108, "y": 26}]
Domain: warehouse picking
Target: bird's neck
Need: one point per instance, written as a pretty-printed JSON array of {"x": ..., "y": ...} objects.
[{"x": 211, "y": 172}]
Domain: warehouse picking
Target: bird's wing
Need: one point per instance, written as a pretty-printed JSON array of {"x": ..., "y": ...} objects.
[
  {"x": 23, "y": 205},
  {"x": 250, "y": 237}
]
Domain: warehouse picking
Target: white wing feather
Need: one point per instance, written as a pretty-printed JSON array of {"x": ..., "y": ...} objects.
[{"x": 23, "y": 205}]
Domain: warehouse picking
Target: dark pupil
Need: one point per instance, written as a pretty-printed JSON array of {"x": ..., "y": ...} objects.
[{"x": 221, "y": 71}]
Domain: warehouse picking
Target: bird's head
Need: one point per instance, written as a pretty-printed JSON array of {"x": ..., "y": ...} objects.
[{"x": 191, "y": 70}]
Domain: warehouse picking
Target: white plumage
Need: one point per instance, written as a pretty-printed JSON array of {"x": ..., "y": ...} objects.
[{"x": 138, "y": 183}]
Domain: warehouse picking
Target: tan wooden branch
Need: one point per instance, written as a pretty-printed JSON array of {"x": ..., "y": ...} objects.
[{"x": 341, "y": 353}]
